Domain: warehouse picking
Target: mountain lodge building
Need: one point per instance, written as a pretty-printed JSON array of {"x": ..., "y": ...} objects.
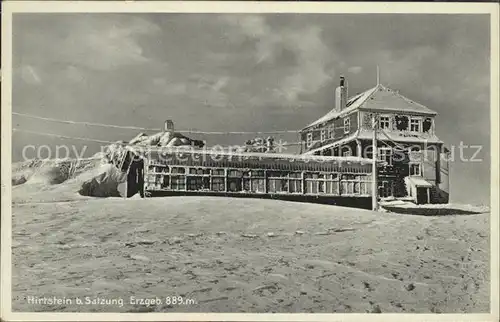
[{"x": 413, "y": 160}]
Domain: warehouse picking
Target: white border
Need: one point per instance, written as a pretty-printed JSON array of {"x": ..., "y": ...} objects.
[{"x": 8, "y": 8}]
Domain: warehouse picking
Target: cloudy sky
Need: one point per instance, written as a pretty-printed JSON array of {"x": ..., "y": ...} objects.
[{"x": 240, "y": 72}]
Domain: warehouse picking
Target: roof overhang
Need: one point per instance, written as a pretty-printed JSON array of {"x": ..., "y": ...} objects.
[{"x": 394, "y": 111}]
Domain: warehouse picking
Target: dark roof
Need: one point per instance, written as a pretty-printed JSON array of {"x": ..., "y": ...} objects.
[{"x": 378, "y": 98}]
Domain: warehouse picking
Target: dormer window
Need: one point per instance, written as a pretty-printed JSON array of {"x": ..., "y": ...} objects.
[
  {"x": 309, "y": 139},
  {"x": 323, "y": 135},
  {"x": 427, "y": 124},
  {"x": 415, "y": 124},
  {"x": 384, "y": 122},
  {"x": 331, "y": 132},
  {"x": 347, "y": 124}
]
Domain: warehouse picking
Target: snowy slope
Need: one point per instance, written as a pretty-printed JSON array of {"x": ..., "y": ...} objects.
[{"x": 243, "y": 255}]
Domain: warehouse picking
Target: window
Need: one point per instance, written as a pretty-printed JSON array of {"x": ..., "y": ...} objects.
[
  {"x": 331, "y": 132},
  {"x": 199, "y": 171},
  {"x": 166, "y": 182},
  {"x": 415, "y": 153},
  {"x": 385, "y": 155},
  {"x": 234, "y": 173},
  {"x": 384, "y": 122},
  {"x": 415, "y": 125},
  {"x": 234, "y": 184},
  {"x": 178, "y": 170},
  {"x": 415, "y": 169},
  {"x": 323, "y": 135},
  {"x": 257, "y": 173},
  {"x": 347, "y": 124},
  {"x": 258, "y": 184},
  {"x": 218, "y": 184},
  {"x": 427, "y": 124},
  {"x": 309, "y": 139},
  {"x": 346, "y": 153},
  {"x": 278, "y": 185},
  {"x": 295, "y": 185},
  {"x": 178, "y": 182},
  {"x": 198, "y": 183},
  {"x": 385, "y": 189},
  {"x": 218, "y": 172}
]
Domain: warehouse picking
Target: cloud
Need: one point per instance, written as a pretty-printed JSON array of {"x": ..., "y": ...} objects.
[
  {"x": 74, "y": 74},
  {"x": 82, "y": 40},
  {"x": 300, "y": 51},
  {"x": 355, "y": 69},
  {"x": 30, "y": 75},
  {"x": 247, "y": 72}
]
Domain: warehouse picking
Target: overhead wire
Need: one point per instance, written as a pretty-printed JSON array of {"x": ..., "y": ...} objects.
[{"x": 48, "y": 119}]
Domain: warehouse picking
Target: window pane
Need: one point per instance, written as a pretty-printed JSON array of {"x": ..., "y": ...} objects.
[
  {"x": 178, "y": 170},
  {"x": 356, "y": 187},
  {"x": 234, "y": 185},
  {"x": 178, "y": 183},
  {"x": 218, "y": 172},
  {"x": 218, "y": 184},
  {"x": 195, "y": 183},
  {"x": 257, "y": 185},
  {"x": 321, "y": 186},
  {"x": 234, "y": 173},
  {"x": 166, "y": 182},
  {"x": 295, "y": 186},
  {"x": 257, "y": 173},
  {"x": 246, "y": 184},
  {"x": 312, "y": 187}
]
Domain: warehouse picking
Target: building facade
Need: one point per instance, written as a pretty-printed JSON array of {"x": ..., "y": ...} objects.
[
  {"x": 413, "y": 161},
  {"x": 157, "y": 171}
]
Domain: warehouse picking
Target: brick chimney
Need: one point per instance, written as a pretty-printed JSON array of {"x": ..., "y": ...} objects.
[{"x": 341, "y": 93}]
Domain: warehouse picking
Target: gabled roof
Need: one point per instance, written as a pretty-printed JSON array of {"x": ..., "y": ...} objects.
[{"x": 378, "y": 98}]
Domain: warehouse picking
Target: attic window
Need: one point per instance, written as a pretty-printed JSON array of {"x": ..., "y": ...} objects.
[
  {"x": 401, "y": 122},
  {"x": 384, "y": 122},
  {"x": 309, "y": 139},
  {"x": 427, "y": 124},
  {"x": 331, "y": 132},
  {"x": 415, "y": 124},
  {"x": 347, "y": 124}
]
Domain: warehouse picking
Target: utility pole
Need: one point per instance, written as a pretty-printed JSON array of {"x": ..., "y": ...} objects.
[{"x": 374, "y": 165}]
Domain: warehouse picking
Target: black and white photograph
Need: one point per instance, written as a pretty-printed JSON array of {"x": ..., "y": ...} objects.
[{"x": 273, "y": 164}]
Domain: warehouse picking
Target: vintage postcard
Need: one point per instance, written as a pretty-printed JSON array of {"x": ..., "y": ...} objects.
[{"x": 249, "y": 161}]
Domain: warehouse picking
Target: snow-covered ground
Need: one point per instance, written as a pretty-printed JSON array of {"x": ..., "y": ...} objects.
[
  {"x": 407, "y": 207},
  {"x": 241, "y": 255}
]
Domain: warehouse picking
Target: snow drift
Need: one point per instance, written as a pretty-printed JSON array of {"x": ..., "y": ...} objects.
[
  {"x": 95, "y": 176},
  {"x": 105, "y": 181},
  {"x": 89, "y": 177}
]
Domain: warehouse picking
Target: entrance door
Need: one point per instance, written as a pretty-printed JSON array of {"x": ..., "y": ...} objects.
[{"x": 421, "y": 195}]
